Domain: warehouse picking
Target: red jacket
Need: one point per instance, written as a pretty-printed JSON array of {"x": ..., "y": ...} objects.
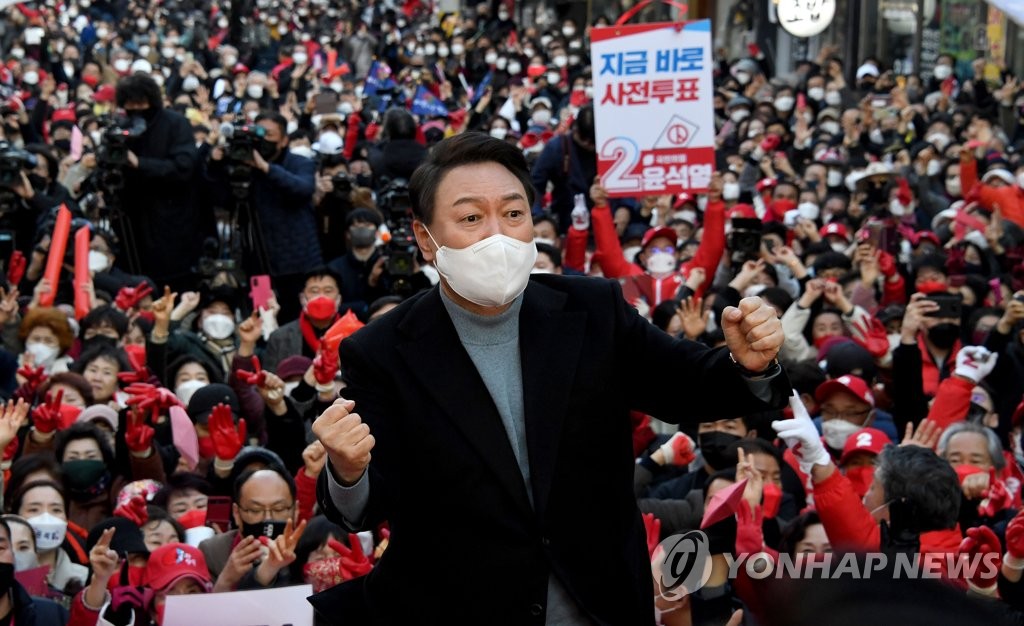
[
  {"x": 638, "y": 283},
  {"x": 574, "y": 252},
  {"x": 930, "y": 369},
  {"x": 1009, "y": 199}
]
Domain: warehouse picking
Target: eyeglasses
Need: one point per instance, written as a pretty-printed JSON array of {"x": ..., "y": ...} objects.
[
  {"x": 849, "y": 416},
  {"x": 666, "y": 249},
  {"x": 274, "y": 512}
]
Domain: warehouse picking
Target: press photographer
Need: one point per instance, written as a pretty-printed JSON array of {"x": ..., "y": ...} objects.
[
  {"x": 28, "y": 189},
  {"x": 159, "y": 195},
  {"x": 276, "y": 219}
]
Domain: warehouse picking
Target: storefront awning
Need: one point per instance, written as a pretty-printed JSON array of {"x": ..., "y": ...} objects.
[{"x": 1014, "y": 9}]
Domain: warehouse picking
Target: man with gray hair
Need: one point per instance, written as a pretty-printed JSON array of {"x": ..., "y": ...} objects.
[{"x": 976, "y": 455}]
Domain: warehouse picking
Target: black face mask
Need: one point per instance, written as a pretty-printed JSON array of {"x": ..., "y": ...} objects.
[
  {"x": 944, "y": 335},
  {"x": 268, "y": 529},
  {"x": 712, "y": 447},
  {"x": 63, "y": 145},
  {"x": 99, "y": 340},
  {"x": 364, "y": 180},
  {"x": 268, "y": 150},
  {"x": 363, "y": 236},
  {"x": 85, "y": 478},
  {"x": 38, "y": 182}
]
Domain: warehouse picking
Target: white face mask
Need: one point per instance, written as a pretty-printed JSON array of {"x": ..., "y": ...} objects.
[
  {"x": 784, "y": 103},
  {"x": 49, "y": 531},
  {"x": 442, "y": 52},
  {"x": 1020, "y": 180},
  {"x": 933, "y": 168},
  {"x": 185, "y": 390},
  {"x": 122, "y": 65},
  {"x": 501, "y": 63},
  {"x": 542, "y": 117},
  {"x": 953, "y": 187},
  {"x": 939, "y": 140},
  {"x": 630, "y": 253},
  {"x": 499, "y": 132},
  {"x": 839, "y": 247},
  {"x": 561, "y": 60},
  {"x": 300, "y": 58},
  {"x": 833, "y": 98},
  {"x": 290, "y": 387},
  {"x": 730, "y": 191},
  {"x": 167, "y": 53},
  {"x": 742, "y": 78},
  {"x": 30, "y": 77},
  {"x": 739, "y": 115},
  {"x": 19, "y": 53},
  {"x": 834, "y": 178},
  {"x": 218, "y": 326},
  {"x": 836, "y": 432},
  {"x": 491, "y": 272},
  {"x": 897, "y": 208},
  {"x": 41, "y": 353},
  {"x": 98, "y": 261},
  {"x": 876, "y": 136},
  {"x": 491, "y": 58},
  {"x": 254, "y": 91},
  {"x": 830, "y": 127},
  {"x": 25, "y": 560},
  {"x": 514, "y": 68},
  {"x": 458, "y": 48},
  {"x": 661, "y": 263},
  {"x": 430, "y": 50},
  {"x": 808, "y": 210},
  {"x": 816, "y": 93},
  {"x": 554, "y": 78},
  {"x": 191, "y": 83},
  {"x": 942, "y": 72}
]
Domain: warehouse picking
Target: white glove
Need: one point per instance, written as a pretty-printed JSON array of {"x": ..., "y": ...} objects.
[
  {"x": 678, "y": 450},
  {"x": 975, "y": 363},
  {"x": 580, "y": 214},
  {"x": 802, "y": 437}
]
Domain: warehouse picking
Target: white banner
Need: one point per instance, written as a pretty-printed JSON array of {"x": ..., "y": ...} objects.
[{"x": 264, "y": 607}]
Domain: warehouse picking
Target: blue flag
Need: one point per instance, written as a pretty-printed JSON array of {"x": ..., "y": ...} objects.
[
  {"x": 426, "y": 103},
  {"x": 479, "y": 91},
  {"x": 379, "y": 77}
]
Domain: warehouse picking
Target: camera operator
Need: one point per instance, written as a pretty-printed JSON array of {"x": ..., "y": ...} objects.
[
  {"x": 159, "y": 195},
  {"x": 333, "y": 197},
  {"x": 280, "y": 201},
  {"x": 39, "y": 193}
]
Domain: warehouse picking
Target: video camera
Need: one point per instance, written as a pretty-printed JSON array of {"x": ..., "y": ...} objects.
[
  {"x": 112, "y": 154},
  {"x": 13, "y": 162},
  {"x": 745, "y": 239},
  {"x": 242, "y": 140},
  {"x": 394, "y": 200}
]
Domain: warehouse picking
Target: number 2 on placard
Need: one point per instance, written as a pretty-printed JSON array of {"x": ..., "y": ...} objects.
[{"x": 618, "y": 178}]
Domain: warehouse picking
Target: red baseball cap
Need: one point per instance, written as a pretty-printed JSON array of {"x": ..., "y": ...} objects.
[
  {"x": 682, "y": 199},
  {"x": 664, "y": 231},
  {"x": 848, "y": 383},
  {"x": 836, "y": 229},
  {"x": 176, "y": 561},
  {"x": 742, "y": 210},
  {"x": 63, "y": 115},
  {"x": 104, "y": 94},
  {"x": 864, "y": 440}
]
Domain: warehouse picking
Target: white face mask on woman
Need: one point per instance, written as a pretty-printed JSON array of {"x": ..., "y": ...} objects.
[
  {"x": 218, "y": 326},
  {"x": 491, "y": 272}
]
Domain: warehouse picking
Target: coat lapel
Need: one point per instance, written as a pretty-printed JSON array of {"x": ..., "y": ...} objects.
[
  {"x": 436, "y": 357},
  {"x": 550, "y": 340}
]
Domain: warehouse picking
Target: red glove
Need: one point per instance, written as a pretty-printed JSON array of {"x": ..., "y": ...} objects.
[
  {"x": 129, "y": 297},
  {"x": 353, "y": 561},
  {"x": 134, "y": 510},
  {"x": 16, "y": 268},
  {"x": 139, "y": 436},
  {"x": 980, "y": 541},
  {"x": 765, "y": 183},
  {"x": 771, "y": 499},
  {"x": 257, "y": 377},
  {"x": 872, "y": 337},
  {"x": 46, "y": 417},
  {"x": 34, "y": 379},
  {"x": 147, "y": 397},
  {"x": 326, "y": 364},
  {"x": 140, "y": 373},
  {"x": 1014, "y": 542},
  {"x": 226, "y": 437},
  {"x": 770, "y": 142},
  {"x": 678, "y": 450},
  {"x": 996, "y": 499},
  {"x": 653, "y": 527},
  {"x": 886, "y": 264}
]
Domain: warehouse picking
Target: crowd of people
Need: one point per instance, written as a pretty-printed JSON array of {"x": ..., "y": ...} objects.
[{"x": 243, "y": 172}]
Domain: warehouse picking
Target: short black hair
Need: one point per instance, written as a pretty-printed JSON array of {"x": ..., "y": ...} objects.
[
  {"x": 236, "y": 493},
  {"x": 276, "y": 118},
  {"x": 935, "y": 261},
  {"x": 25, "y": 467},
  {"x": 553, "y": 253},
  {"x": 795, "y": 531},
  {"x": 546, "y": 217},
  {"x": 398, "y": 124},
  {"x": 464, "y": 149},
  {"x": 918, "y": 482},
  {"x": 104, "y": 315},
  {"x": 777, "y": 296},
  {"x": 101, "y": 351},
  {"x": 321, "y": 271},
  {"x": 84, "y": 430},
  {"x": 662, "y": 314},
  {"x": 139, "y": 87},
  {"x": 177, "y": 482}
]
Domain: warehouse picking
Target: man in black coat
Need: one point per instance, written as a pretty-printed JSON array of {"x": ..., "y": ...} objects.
[
  {"x": 399, "y": 154},
  {"x": 166, "y": 226},
  {"x": 497, "y": 411}
]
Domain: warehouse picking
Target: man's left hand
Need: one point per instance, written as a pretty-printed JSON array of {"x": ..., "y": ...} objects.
[
  {"x": 133, "y": 159},
  {"x": 259, "y": 162},
  {"x": 753, "y": 333}
]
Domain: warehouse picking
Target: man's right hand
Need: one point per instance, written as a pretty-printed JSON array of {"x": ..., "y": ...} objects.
[{"x": 347, "y": 440}]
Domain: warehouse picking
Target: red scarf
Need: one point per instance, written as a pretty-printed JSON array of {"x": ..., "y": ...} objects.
[{"x": 309, "y": 333}]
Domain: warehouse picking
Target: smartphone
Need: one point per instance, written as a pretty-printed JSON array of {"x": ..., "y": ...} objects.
[
  {"x": 260, "y": 291},
  {"x": 6, "y": 248},
  {"x": 218, "y": 511},
  {"x": 326, "y": 101},
  {"x": 801, "y": 102},
  {"x": 950, "y": 305}
]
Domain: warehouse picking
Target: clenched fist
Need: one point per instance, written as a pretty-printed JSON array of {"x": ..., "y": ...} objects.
[{"x": 346, "y": 438}]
